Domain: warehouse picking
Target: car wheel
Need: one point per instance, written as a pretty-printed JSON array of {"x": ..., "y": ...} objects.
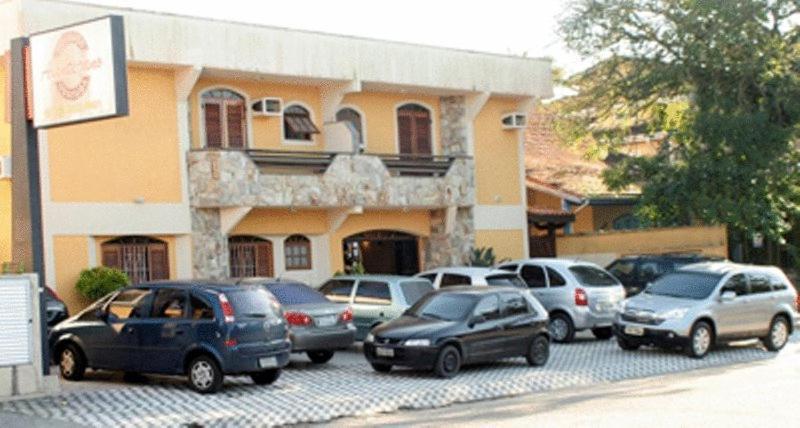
[
  {"x": 627, "y": 345},
  {"x": 603, "y": 333},
  {"x": 448, "y": 362},
  {"x": 539, "y": 351},
  {"x": 265, "y": 377},
  {"x": 320, "y": 357},
  {"x": 382, "y": 368},
  {"x": 71, "y": 362},
  {"x": 778, "y": 334},
  {"x": 700, "y": 340},
  {"x": 561, "y": 328},
  {"x": 205, "y": 376}
]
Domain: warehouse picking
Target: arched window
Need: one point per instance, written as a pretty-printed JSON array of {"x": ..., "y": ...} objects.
[
  {"x": 297, "y": 250},
  {"x": 297, "y": 123},
  {"x": 224, "y": 118},
  {"x": 352, "y": 116},
  {"x": 414, "y": 130},
  {"x": 142, "y": 258},
  {"x": 250, "y": 256}
]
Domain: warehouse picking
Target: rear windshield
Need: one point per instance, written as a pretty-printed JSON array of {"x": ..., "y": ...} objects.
[
  {"x": 254, "y": 302},
  {"x": 506, "y": 280},
  {"x": 593, "y": 277},
  {"x": 443, "y": 306},
  {"x": 684, "y": 285},
  {"x": 414, "y": 290},
  {"x": 296, "y": 294}
]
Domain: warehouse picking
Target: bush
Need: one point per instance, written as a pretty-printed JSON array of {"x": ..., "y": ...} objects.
[
  {"x": 96, "y": 282},
  {"x": 482, "y": 257}
]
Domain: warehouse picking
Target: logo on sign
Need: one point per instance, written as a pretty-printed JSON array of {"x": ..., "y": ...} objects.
[{"x": 70, "y": 67}]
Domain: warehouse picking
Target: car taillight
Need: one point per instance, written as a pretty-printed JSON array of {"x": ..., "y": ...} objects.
[
  {"x": 230, "y": 343},
  {"x": 581, "y": 299},
  {"x": 347, "y": 315},
  {"x": 297, "y": 318},
  {"x": 797, "y": 302},
  {"x": 227, "y": 308}
]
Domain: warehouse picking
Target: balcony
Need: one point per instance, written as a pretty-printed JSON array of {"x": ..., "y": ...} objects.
[{"x": 272, "y": 178}]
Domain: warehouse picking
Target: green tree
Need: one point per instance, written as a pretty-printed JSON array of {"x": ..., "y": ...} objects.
[{"x": 721, "y": 78}]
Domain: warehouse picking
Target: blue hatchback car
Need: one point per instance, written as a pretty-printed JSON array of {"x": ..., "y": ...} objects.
[{"x": 204, "y": 330}]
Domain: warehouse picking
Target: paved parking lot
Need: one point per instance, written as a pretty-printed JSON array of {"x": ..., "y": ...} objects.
[{"x": 348, "y": 387}]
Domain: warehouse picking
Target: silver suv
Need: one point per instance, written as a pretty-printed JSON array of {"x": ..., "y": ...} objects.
[
  {"x": 707, "y": 303},
  {"x": 577, "y": 295}
]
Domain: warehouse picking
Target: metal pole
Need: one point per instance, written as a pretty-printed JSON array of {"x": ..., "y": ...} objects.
[{"x": 25, "y": 139}]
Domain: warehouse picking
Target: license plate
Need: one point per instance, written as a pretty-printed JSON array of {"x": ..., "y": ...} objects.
[
  {"x": 634, "y": 331},
  {"x": 326, "y": 321},
  {"x": 384, "y": 352},
  {"x": 268, "y": 362}
]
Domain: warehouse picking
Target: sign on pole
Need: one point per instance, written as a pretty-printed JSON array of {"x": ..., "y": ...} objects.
[{"x": 78, "y": 73}]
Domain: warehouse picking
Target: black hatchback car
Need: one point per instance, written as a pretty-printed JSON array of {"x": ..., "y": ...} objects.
[
  {"x": 456, "y": 326},
  {"x": 635, "y": 272},
  {"x": 204, "y": 330}
]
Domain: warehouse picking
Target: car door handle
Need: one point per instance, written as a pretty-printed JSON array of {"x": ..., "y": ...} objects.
[{"x": 129, "y": 330}]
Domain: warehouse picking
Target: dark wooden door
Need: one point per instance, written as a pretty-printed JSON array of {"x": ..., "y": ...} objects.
[
  {"x": 250, "y": 258},
  {"x": 142, "y": 259},
  {"x": 414, "y": 130}
]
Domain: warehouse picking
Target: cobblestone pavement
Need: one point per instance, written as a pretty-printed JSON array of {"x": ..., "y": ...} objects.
[{"x": 348, "y": 387}]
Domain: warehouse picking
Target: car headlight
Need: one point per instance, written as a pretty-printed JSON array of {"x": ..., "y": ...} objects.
[
  {"x": 673, "y": 314},
  {"x": 417, "y": 342},
  {"x": 369, "y": 338}
]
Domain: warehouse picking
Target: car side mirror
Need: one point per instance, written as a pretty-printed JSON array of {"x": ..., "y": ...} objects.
[
  {"x": 727, "y": 296},
  {"x": 477, "y": 319},
  {"x": 101, "y": 314}
]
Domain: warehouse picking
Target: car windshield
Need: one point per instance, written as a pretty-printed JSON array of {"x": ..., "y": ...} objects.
[
  {"x": 505, "y": 280},
  {"x": 414, "y": 290},
  {"x": 684, "y": 285},
  {"x": 251, "y": 302},
  {"x": 445, "y": 306},
  {"x": 296, "y": 294},
  {"x": 593, "y": 277}
]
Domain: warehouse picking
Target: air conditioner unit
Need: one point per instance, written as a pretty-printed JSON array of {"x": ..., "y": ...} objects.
[
  {"x": 5, "y": 167},
  {"x": 515, "y": 120},
  {"x": 268, "y": 106}
]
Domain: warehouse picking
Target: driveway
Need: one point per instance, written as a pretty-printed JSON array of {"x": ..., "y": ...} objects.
[{"x": 347, "y": 386}]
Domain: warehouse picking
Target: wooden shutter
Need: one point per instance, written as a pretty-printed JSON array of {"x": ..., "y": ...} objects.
[
  {"x": 264, "y": 259},
  {"x": 422, "y": 133},
  {"x": 405, "y": 125},
  {"x": 235, "y": 118},
  {"x": 158, "y": 262},
  {"x": 213, "y": 119},
  {"x": 111, "y": 256}
]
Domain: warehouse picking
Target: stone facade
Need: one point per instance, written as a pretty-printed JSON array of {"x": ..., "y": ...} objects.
[
  {"x": 209, "y": 245},
  {"x": 231, "y": 178},
  {"x": 450, "y": 248},
  {"x": 453, "y": 123}
]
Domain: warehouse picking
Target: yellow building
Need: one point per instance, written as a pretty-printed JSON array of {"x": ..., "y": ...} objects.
[{"x": 252, "y": 150}]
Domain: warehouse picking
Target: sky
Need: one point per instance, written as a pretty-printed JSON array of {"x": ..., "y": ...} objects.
[{"x": 515, "y": 27}]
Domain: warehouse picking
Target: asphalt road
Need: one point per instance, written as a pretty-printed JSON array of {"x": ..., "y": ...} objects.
[{"x": 754, "y": 394}]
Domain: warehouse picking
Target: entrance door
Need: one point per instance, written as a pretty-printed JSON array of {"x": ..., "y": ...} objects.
[{"x": 382, "y": 251}]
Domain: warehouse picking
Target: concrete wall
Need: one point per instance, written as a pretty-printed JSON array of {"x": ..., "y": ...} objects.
[{"x": 602, "y": 248}]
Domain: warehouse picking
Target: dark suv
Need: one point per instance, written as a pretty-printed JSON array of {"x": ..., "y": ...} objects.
[
  {"x": 635, "y": 272},
  {"x": 204, "y": 330}
]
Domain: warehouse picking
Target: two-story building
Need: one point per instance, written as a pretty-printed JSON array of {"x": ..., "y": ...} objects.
[{"x": 253, "y": 150}]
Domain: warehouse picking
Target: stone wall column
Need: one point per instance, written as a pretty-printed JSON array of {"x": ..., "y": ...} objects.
[
  {"x": 453, "y": 248},
  {"x": 453, "y": 125},
  {"x": 209, "y": 245}
]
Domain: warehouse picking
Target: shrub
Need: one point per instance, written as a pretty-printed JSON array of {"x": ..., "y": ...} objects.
[
  {"x": 482, "y": 257},
  {"x": 96, "y": 282}
]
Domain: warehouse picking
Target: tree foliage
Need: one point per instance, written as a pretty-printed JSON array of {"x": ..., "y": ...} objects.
[{"x": 721, "y": 78}]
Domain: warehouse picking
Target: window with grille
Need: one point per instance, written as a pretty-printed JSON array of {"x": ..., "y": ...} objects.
[
  {"x": 297, "y": 249},
  {"x": 297, "y": 124},
  {"x": 141, "y": 258},
  {"x": 250, "y": 256},
  {"x": 225, "y": 119}
]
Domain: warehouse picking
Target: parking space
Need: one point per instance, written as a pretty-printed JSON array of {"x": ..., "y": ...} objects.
[{"x": 347, "y": 386}]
